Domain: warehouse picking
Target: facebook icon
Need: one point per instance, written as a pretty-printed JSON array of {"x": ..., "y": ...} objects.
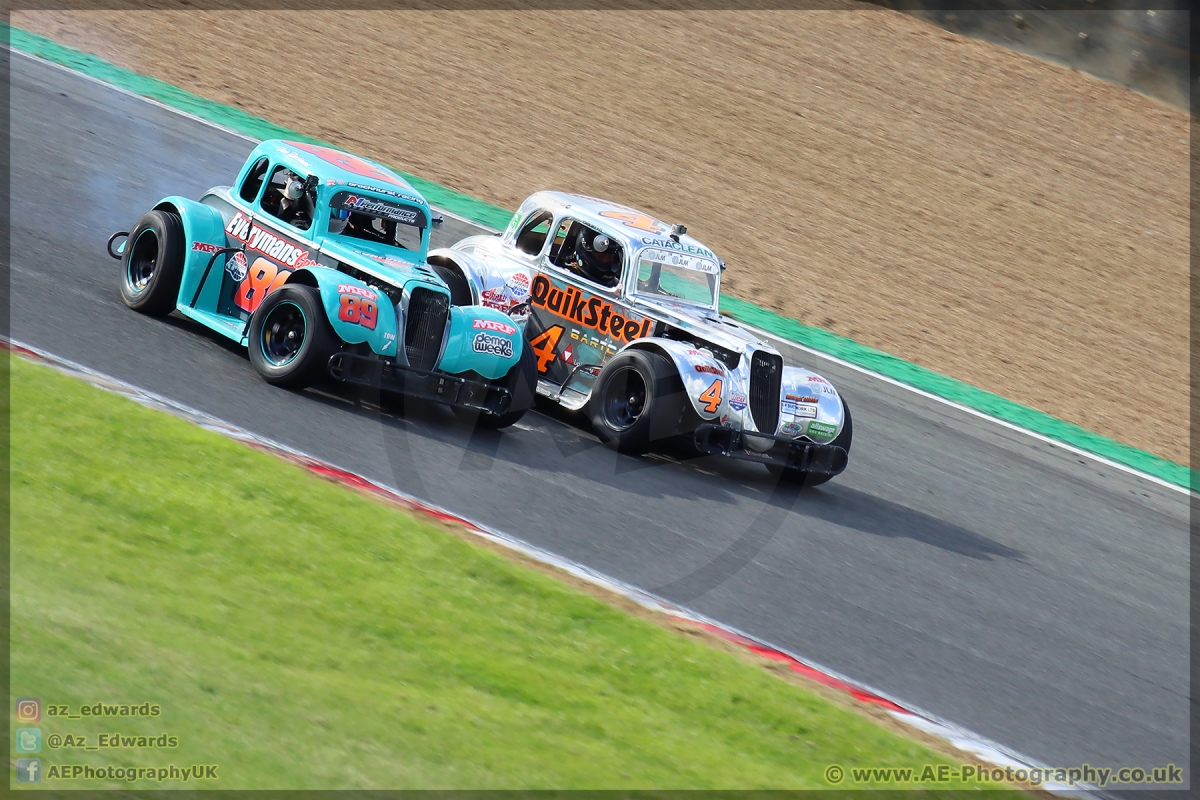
[{"x": 29, "y": 770}]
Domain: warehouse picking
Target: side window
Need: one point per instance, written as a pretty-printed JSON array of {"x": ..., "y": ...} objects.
[
  {"x": 533, "y": 233},
  {"x": 291, "y": 198},
  {"x": 588, "y": 253},
  {"x": 254, "y": 180},
  {"x": 560, "y": 237}
]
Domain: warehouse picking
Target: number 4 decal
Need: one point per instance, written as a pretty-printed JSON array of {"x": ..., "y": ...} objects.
[
  {"x": 712, "y": 397},
  {"x": 543, "y": 346}
]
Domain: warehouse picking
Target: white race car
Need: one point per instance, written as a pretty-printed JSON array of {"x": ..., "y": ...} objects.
[{"x": 621, "y": 312}]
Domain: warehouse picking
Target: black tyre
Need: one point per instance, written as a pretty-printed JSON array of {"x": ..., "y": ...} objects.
[
  {"x": 638, "y": 401},
  {"x": 153, "y": 263},
  {"x": 290, "y": 338},
  {"x": 521, "y": 380},
  {"x": 460, "y": 290},
  {"x": 799, "y": 478}
]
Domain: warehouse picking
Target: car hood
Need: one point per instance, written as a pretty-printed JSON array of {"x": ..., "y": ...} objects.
[
  {"x": 389, "y": 263},
  {"x": 703, "y": 323}
]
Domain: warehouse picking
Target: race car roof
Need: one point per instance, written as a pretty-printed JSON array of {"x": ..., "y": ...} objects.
[
  {"x": 635, "y": 229},
  {"x": 337, "y": 167}
]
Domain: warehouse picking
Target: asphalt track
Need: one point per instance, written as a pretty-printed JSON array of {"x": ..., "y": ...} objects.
[{"x": 1034, "y": 596}]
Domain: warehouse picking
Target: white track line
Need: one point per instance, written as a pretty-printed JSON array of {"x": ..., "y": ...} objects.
[{"x": 865, "y": 371}]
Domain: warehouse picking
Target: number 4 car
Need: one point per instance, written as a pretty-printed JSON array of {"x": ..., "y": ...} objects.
[{"x": 621, "y": 313}]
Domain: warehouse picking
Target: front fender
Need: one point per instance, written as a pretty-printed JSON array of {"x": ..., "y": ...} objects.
[
  {"x": 204, "y": 231},
  {"x": 481, "y": 339},
  {"x": 357, "y": 312},
  {"x": 707, "y": 382},
  {"x": 809, "y": 406}
]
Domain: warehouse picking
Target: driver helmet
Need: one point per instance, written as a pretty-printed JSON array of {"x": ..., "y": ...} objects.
[
  {"x": 338, "y": 217},
  {"x": 294, "y": 189},
  {"x": 597, "y": 256}
]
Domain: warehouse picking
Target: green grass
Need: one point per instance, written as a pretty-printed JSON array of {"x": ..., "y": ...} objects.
[{"x": 301, "y": 635}]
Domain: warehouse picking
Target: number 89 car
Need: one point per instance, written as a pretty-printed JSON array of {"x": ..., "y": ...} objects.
[{"x": 315, "y": 262}]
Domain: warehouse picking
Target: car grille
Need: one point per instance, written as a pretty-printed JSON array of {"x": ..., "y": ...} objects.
[
  {"x": 766, "y": 376},
  {"x": 424, "y": 327}
]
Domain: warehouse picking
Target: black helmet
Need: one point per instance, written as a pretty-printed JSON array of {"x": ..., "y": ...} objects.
[{"x": 598, "y": 257}]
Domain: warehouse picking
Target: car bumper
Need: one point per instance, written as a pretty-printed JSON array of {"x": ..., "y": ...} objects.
[
  {"x": 821, "y": 459},
  {"x": 441, "y": 387}
]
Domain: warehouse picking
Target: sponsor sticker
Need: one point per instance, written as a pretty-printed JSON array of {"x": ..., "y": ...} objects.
[
  {"x": 737, "y": 402},
  {"x": 263, "y": 241},
  {"x": 518, "y": 286},
  {"x": 493, "y": 325},
  {"x": 496, "y": 298},
  {"x": 378, "y": 208},
  {"x": 799, "y": 410},
  {"x": 679, "y": 260},
  {"x": 493, "y": 345},
  {"x": 205, "y": 247},
  {"x": 588, "y": 311},
  {"x": 364, "y": 188},
  {"x": 671, "y": 244},
  {"x": 792, "y": 428},
  {"x": 708, "y": 369},
  {"x": 237, "y": 267},
  {"x": 821, "y": 429},
  {"x": 361, "y": 291}
]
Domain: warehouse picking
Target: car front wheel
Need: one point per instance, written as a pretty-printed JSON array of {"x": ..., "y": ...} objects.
[
  {"x": 638, "y": 401},
  {"x": 290, "y": 340}
]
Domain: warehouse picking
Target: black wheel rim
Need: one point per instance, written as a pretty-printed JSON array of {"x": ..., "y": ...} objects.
[
  {"x": 143, "y": 261},
  {"x": 626, "y": 399},
  {"x": 283, "y": 334}
]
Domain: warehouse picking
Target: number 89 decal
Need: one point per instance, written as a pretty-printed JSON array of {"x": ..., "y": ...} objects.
[{"x": 358, "y": 310}]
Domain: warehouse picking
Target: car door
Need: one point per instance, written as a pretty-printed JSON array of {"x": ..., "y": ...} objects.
[
  {"x": 274, "y": 232},
  {"x": 575, "y": 322}
]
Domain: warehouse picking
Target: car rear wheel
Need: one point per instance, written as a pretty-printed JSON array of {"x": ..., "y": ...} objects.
[
  {"x": 638, "y": 401},
  {"x": 799, "y": 478},
  {"x": 153, "y": 263},
  {"x": 290, "y": 340}
]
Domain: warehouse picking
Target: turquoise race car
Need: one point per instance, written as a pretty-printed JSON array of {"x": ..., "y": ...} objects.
[{"x": 315, "y": 261}]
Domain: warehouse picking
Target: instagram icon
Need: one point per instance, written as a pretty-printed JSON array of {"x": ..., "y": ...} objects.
[{"x": 29, "y": 709}]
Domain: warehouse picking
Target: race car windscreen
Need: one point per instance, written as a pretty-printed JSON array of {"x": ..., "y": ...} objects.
[
  {"x": 678, "y": 276},
  {"x": 382, "y": 221}
]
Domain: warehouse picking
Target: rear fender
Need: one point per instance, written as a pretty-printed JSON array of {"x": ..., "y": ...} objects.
[
  {"x": 706, "y": 381},
  {"x": 204, "y": 233},
  {"x": 448, "y": 263},
  {"x": 483, "y": 340},
  {"x": 357, "y": 312},
  {"x": 809, "y": 406},
  {"x": 495, "y": 282}
]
